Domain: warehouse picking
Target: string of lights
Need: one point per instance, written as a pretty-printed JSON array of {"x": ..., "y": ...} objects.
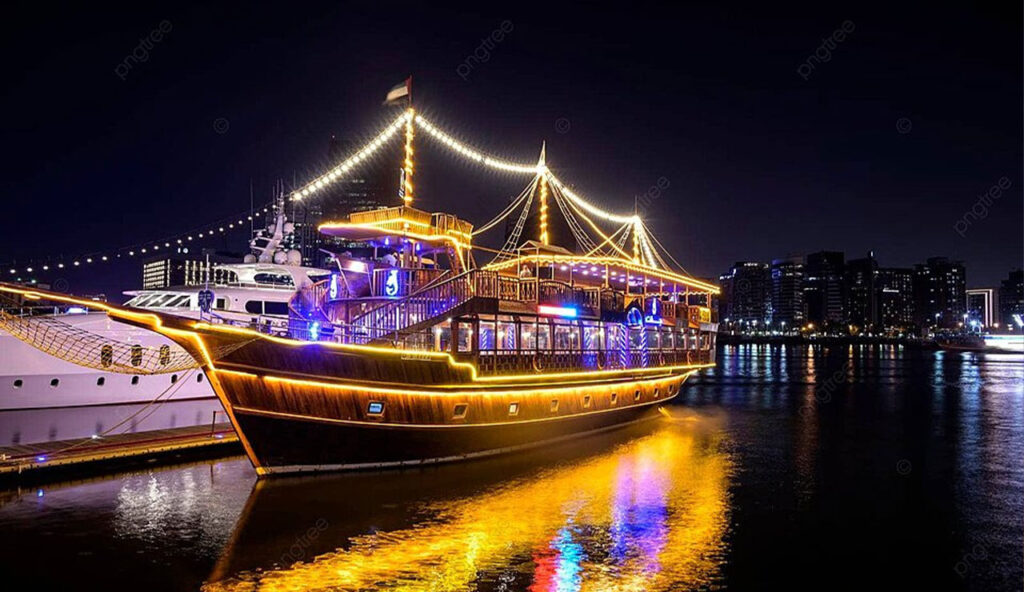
[
  {"x": 362, "y": 154},
  {"x": 192, "y": 236}
]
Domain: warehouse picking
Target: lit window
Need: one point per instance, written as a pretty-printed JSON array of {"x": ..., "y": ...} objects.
[
  {"x": 554, "y": 405},
  {"x": 615, "y": 398},
  {"x": 460, "y": 411},
  {"x": 586, "y": 402},
  {"x": 655, "y": 392},
  {"x": 513, "y": 408},
  {"x": 375, "y": 408},
  {"x": 636, "y": 395}
]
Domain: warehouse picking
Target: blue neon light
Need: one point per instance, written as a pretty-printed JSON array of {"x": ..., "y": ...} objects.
[
  {"x": 332, "y": 289},
  {"x": 314, "y": 331},
  {"x": 391, "y": 286}
]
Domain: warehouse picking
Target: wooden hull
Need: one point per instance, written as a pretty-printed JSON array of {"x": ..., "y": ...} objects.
[{"x": 287, "y": 445}]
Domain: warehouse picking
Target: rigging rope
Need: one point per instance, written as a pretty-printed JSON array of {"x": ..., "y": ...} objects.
[
  {"x": 507, "y": 250},
  {"x": 508, "y": 210}
]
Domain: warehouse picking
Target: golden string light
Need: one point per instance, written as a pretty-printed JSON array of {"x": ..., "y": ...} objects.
[
  {"x": 208, "y": 230},
  {"x": 407, "y": 188},
  {"x": 362, "y": 154},
  {"x": 543, "y": 210}
]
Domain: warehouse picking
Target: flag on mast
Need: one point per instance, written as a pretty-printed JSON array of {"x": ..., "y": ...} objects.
[{"x": 400, "y": 91}]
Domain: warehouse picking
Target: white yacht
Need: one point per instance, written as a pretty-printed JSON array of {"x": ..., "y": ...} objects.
[{"x": 43, "y": 398}]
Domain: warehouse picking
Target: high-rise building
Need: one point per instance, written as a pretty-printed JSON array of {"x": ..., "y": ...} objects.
[
  {"x": 895, "y": 298},
  {"x": 747, "y": 296},
  {"x": 185, "y": 268},
  {"x": 823, "y": 288},
  {"x": 1011, "y": 300},
  {"x": 940, "y": 293},
  {"x": 788, "y": 293},
  {"x": 862, "y": 291}
]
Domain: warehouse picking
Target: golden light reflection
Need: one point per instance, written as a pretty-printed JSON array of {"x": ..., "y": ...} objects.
[{"x": 649, "y": 515}]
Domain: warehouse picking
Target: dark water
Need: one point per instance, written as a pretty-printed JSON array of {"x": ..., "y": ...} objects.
[{"x": 842, "y": 468}]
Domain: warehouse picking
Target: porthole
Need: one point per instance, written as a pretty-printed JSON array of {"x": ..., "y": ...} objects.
[
  {"x": 554, "y": 405},
  {"x": 460, "y": 411},
  {"x": 55, "y": 382},
  {"x": 636, "y": 395},
  {"x": 135, "y": 380},
  {"x": 655, "y": 392},
  {"x": 18, "y": 383},
  {"x": 586, "y": 402},
  {"x": 513, "y": 408},
  {"x": 199, "y": 377},
  {"x": 375, "y": 408},
  {"x": 101, "y": 381},
  {"x": 174, "y": 378},
  {"x": 615, "y": 398}
]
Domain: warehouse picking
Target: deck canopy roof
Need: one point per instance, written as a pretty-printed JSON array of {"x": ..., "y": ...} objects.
[
  {"x": 402, "y": 221},
  {"x": 596, "y": 271}
]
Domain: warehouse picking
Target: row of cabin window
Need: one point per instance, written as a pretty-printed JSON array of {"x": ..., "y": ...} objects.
[
  {"x": 102, "y": 380},
  {"x": 502, "y": 336},
  {"x": 376, "y": 408}
]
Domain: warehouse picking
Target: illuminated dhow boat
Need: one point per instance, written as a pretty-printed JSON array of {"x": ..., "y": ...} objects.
[{"x": 410, "y": 353}]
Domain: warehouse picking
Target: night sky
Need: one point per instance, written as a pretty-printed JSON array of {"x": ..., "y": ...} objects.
[{"x": 885, "y": 146}]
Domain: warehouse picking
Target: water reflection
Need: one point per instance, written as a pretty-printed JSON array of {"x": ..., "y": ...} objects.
[{"x": 648, "y": 513}]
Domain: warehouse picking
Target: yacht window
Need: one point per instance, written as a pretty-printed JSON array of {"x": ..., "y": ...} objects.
[
  {"x": 165, "y": 355},
  {"x": 615, "y": 398},
  {"x": 55, "y": 382},
  {"x": 221, "y": 304},
  {"x": 460, "y": 411},
  {"x": 136, "y": 355},
  {"x": 135, "y": 380},
  {"x": 145, "y": 299},
  {"x": 275, "y": 308},
  {"x": 180, "y": 301},
  {"x": 275, "y": 279},
  {"x": 100, "y": 381},
  {"x": 162, "y": 300},
  {"x": 18, "y": 383},
  {"x": 554, "y": 405},
  {"x": 107, "y": 355},
  {"x": 636, "y": 395},
  {"x": 586, "y": 402},
  {"x": 375, "y": 408},
  {"x": 513, "y": 408},
  {"x": 174, "y": 378},
  {"x": 199, "y": 377}
]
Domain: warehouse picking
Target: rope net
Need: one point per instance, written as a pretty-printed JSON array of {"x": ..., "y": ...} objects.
[{"x": 83, "y": 348}]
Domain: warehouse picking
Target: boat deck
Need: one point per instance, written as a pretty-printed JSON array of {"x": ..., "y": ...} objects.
[{"x": 143, "y": 446}]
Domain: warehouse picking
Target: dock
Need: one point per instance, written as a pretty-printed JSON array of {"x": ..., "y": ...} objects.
[{"x": 121, "y": 449}]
